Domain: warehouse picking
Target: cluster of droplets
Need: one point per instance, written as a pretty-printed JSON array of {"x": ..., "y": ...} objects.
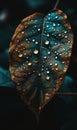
[{"x": 47, "y": 43}]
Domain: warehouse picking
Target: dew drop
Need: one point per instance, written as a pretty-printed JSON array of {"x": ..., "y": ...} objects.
[
  {"x": 47, "y": 26},
  {"x": 56, "y": 57},
  {"x": 56, "y": 68},
  {"x": 56, "y": 64},
  {"x": 48, "y": 35},
  {"x": 55, "y": 43},
  {"x": 47, "y": 72},
  {"x": 39, "y": 29},
  {"x": 66, "y": 36},
  {"x": 36, "y": 51},
  {"x": 45, "y": 57},
  {"x": 49, "y": 53},
  {"x": 47, "y": 77},
  {"x": 36, "y": 42},
  {"x": 39, "y": 74},
  {"x": 50, "y": 64},
  {"x": 65, "y": 32},
  {"x": 23, "y": 32},
  {"x": 54, "y": 24},
  {"x": 33, "y": 40},
  {"x": 29, "y": 64},
  {"x": 20, "y": 55},
  {"x": 59, "y": 35},
  {"x": 56, "y": 17},
  {"x": 46, "y": 42}
]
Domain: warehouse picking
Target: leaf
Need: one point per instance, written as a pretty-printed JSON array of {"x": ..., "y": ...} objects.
[
  {"x": 5, "y": 79},
  {"x": 40, "y": 52}
]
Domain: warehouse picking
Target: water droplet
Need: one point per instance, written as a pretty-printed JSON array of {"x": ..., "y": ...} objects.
[
  {"x": 36, "y": 51},
  {"x": 65, "y": 32},
  {"x": 25, "y": 54},
  {"x": 46, "y": 42},
  {"x": 48, "y": 72},
  {"x": 39, "y": 29},
  {"x": 33, "y": 40},
  {"x": 23, "y": 32},
  {"x": 56, "y": 64},
  {"x": 29, "y": 64},
  {"x": 36, "y": 42},
  {"x": 49, "y": 53},
  {"x": 56, "y": 68},
  {"x": 42, "y": 69},
  {"x": 50, "y": 64},
  {"x": 63, "y": 62},
  {"x": 49, "y": 14},
  {"x": 47, "y": 26},
  {"x": 47, "y": 77},
  {"x": 39, "y": 74},
  {"x": 69, "y": 41},
  {"x": 45, "y": 57},
  {"x": 59, "y": 35},
  {"x": 65, "y": 69},
  {"x": 56, "y": 57},
  {"x": 20, "y": 55},
  {"x": 58, "y": 24},
  {"x": 63, "y": 49},
  {"x": 35, "y": 26},
  {"x": 49, "y": 18},
  {"x": 48, "y": 35},
  {"x": 66, "y": 36},
  {"x": 56, "y": 17},
  {"x": 55, "y": 43},
  {"x": 27, "y": 57},
  {"x": 54, "y": 24},
  {"x": 26, "y": 39}
]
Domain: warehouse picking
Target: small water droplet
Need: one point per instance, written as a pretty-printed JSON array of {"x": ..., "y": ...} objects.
[
  {"x": 48, "y": 35},
  {"x": 39, "y": 29},
  {"x": 36, "y": 42},
  {"x": 56, "y": 64},
  {"x": 33, "y": 40},
  {"x": 56, "y": 57},
  {"x": 47, "y": 77},
  {"x": 36, "y": 51},
  {"x": 66, "y": 36},
  {"x": 29, "y": 64},
  {"x": 23, "y": 32},
  {"x": 49, "y": 53},
  {"x": 45, "y": 57},
  {"x": 56, "y": 17},
  {"x": 39, "y": 74},
  {"x": 46, "y": 42},
  {"x": 50, "y": 64},
  {"x": 20, "y": 55},
  {"x": 54, "y": 24},
  {"x": 59, "y": 35},
  {"x": 48, "y": 72}
]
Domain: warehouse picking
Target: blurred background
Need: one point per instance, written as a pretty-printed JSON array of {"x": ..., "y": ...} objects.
[{"x": 63, "y": 109}]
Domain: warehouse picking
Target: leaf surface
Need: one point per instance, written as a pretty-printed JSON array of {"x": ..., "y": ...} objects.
[{"x": 40, "y": 52}]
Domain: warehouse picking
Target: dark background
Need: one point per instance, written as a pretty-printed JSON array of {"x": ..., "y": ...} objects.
[{"x": 61, "y": 112}]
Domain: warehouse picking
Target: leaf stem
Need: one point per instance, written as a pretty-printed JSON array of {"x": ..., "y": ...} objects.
[
  {"x": 67, "y": 93},
  {"x": 56, "y": 4}
]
